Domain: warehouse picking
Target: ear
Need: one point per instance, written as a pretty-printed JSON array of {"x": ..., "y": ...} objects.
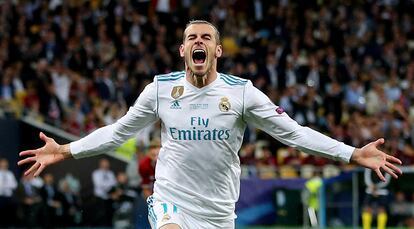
[
  {"x": 181, "y": 50},
  {"x": 219, "y": 51}
]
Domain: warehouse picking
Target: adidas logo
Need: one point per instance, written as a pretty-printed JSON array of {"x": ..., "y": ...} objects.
[{"x": 175, "y": 105}]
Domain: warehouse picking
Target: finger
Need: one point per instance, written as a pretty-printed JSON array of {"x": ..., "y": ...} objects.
[
  {"x": 32, "y": 169},
  {"x": 379, "y": 142},
  {"x": 39, "y": 170},
  {"x": 393, "y": 167},
  {"x": 389, "y": 171},
  {"x": 26, "y": 160},
  {"x": 379, "y": 174},
  {"x": 43, "y": 137},
  {"x": 393, "y": 159},
  {"x": 28, "y": 152}
]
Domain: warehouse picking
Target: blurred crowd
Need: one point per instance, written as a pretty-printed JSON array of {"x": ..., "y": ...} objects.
[
  {"x": 49, "y": 202},
  {"x": 40, "y": 201},
  {"x": 343, "y": 67}
]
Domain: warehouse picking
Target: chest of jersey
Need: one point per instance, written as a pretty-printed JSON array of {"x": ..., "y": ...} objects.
[{"x": 188, "y": 113}]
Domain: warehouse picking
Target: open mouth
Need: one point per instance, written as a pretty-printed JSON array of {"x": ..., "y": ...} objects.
[{"x": 199, "y": 56}]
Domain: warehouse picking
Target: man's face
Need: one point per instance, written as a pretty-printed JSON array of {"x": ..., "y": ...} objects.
[
  {"x": 104, "y": 164},
  {"x": 48, "y": 178},
  {"x": 200, "y": 49},
  {"x": 153, "y": 153},
  {"x": 4, "y": 165}
]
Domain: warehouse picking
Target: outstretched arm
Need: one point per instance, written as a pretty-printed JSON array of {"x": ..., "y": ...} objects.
[
  {"x": 371, "y": 157},
  {"x": 104, "y": 139},
  {"x": 260, "y": 111},
  {"x": 50, "y": 153}
]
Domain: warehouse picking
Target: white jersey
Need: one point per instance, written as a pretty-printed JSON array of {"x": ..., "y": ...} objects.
[{"x": 198, "y": 167}]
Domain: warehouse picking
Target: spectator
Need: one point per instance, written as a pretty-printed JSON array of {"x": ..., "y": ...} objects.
[
  {"x": 122, "y": 196},
  {"x": 103, "y": 180},
  {"x": 375, "y": 200},
  {"x": 61, "y": 82},
  {"x": 73, "y": 183},
  {"x": 7, "y": 88},
  {"x": 147, "y": 167},
  {"x": 132, "y": 171},
  {"x": 71, "y": 206},
  {"x": 52, "y": 199},
  {"x": 354, "y": 95},
  {"x": 30, "y": 202},
  {"x": 8, "y": 184},
  {"x": 399, "y": 209}
]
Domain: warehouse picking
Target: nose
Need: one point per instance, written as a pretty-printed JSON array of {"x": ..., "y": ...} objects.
[{"x": 199, "y": 41}]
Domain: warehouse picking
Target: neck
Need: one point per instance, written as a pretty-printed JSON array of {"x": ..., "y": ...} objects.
[{"x": 201, "y": 81}]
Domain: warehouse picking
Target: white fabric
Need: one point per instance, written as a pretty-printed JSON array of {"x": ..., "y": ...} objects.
[
  {"x": 374, "y": 186},
  {"x": 62, "y": 84},
  {"x": 198, "y": 167},
  {"x": 8, "y": 183},
  {"x": 103, "y": 181},
  {"x": 163, "y": 213},
  {"x": 163, "y": 6}
]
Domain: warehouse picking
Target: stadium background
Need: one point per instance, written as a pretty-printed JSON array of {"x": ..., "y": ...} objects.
[{"x": 343, "y": 67}]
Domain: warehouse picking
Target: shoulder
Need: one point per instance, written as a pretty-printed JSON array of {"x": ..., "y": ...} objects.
[
  {"x": 169, "y": 77},
  {"x": 232, "y": 80}
]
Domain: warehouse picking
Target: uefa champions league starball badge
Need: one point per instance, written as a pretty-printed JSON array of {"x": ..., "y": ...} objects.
[
  {"x": 224, "y": 104},
  {"x": 177, "y": 91}
]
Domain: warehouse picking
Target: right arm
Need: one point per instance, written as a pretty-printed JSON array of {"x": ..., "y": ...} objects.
[{"x": 104, "y": 139}]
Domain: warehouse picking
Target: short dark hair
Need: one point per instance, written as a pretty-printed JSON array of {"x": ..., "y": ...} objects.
[{"x": 192, "y": 22}]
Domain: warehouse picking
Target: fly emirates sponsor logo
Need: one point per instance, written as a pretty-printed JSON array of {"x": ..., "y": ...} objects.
[{"x": 199, "y": 130}]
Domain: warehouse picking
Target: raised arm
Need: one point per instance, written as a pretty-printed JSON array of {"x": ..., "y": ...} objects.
[
  {"x": 104, "y": 139},
  {"x": 260, "y": 111}
]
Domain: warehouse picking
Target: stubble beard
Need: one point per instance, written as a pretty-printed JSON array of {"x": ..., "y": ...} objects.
[
  {"x": 199, "y": 80},
  {"x": 197, "y": 77}
]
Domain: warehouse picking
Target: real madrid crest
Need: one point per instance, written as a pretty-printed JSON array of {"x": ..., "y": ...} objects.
[
  {"x": 177, "y": 91},
  {"x": 224, "y": 104}
]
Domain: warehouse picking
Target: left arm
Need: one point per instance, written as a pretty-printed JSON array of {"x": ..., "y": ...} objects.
[
  {"x": 371, "y": 157},
  {"x": 270, "y": 118}
]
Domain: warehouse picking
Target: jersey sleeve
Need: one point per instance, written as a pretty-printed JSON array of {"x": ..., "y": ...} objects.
[
  {"x": 260, "y": 111},
  {"x": 106, "y": 139}
]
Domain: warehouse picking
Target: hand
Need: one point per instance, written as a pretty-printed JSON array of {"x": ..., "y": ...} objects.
[
  {"x": 370, "y": 157},
  {"x": 50, "y": 153}
]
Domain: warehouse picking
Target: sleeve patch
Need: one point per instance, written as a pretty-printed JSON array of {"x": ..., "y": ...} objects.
[{"x": 280, "y": 110}]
